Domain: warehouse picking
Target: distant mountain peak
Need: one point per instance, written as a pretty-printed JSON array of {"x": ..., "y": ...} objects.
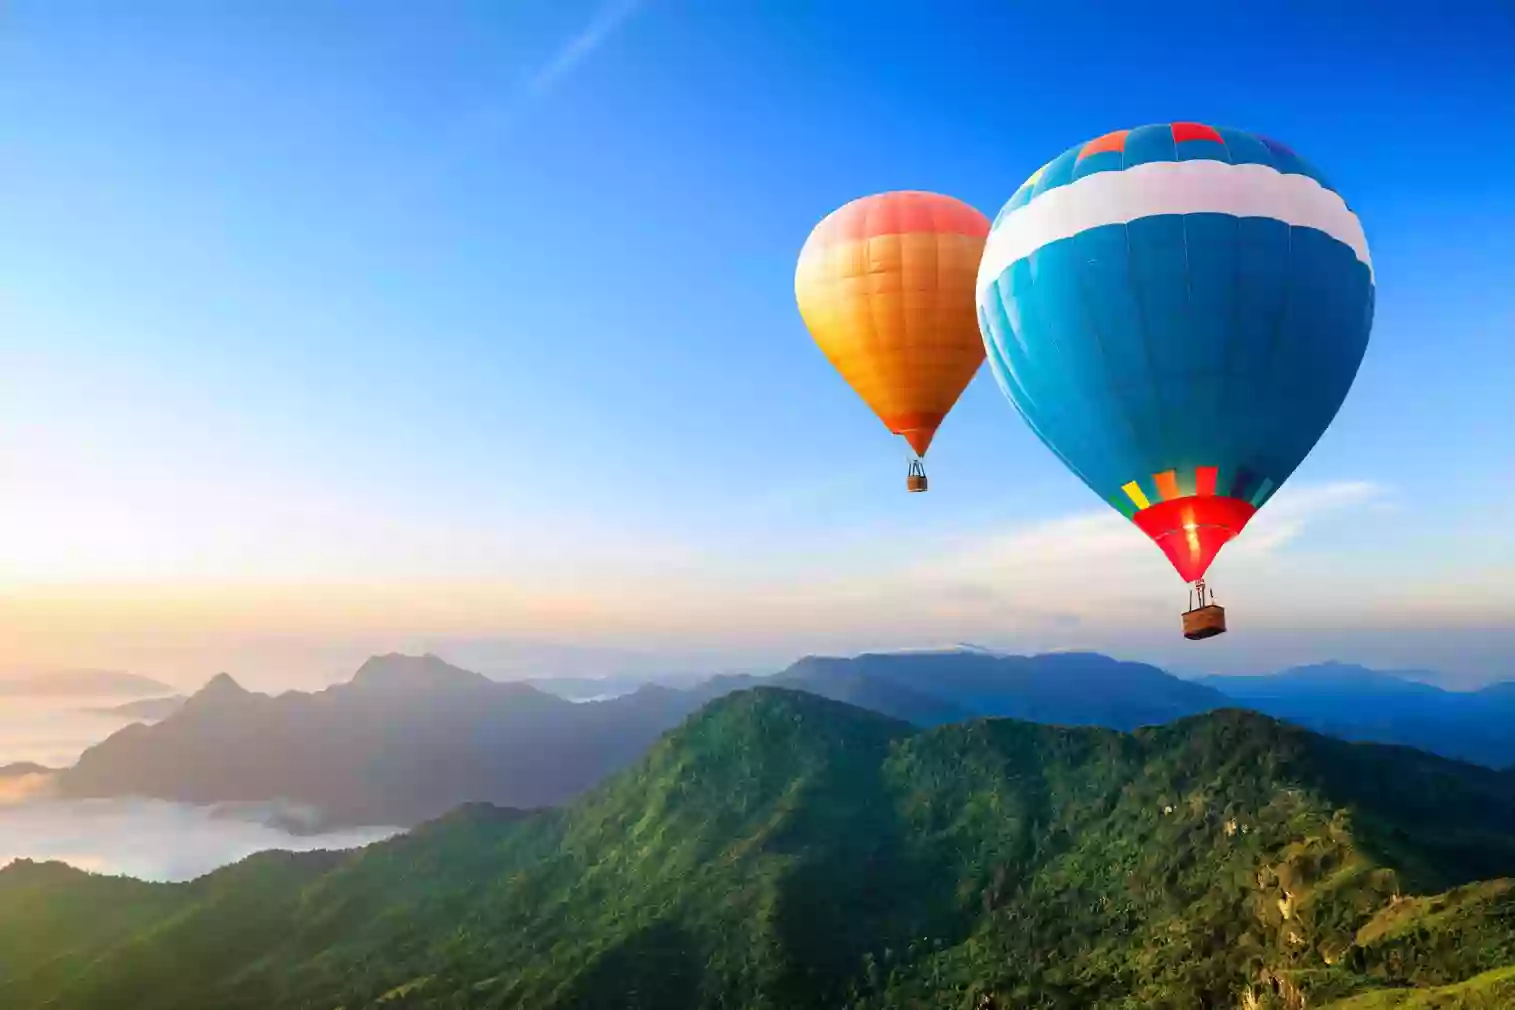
[
  {"x": 407, "y": 739},
  {"x": 220, "y": 690},
  {"x": 223, "y": 683},
  {"x": 925, "y": 650},
  {"x": 398, "y": 671},
  {"x": 1334, "y": 675}
]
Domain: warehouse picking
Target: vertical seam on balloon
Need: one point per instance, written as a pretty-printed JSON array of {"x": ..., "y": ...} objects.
[
  {"x": 1099, "y": 341},
  {"x": 1261, "y": 467},
  {"x": 999, "y": 362},
  {"x": 1002, "y": 358},
  {"x": 1141, "y": 323},
  {"x": 888, "y": 226},
  {"x": 906, "y": 352},
  {"x": 1055, "y": 407},
  {"x": 862, "y": 349},
  {"x": 871, "y": 349},
  {"x": 907, "y": 382},
  {"x": 1183, "y": 230},
  {"x": 1222, "y": 407},
  {"x": 1232, "y": 336},
  {"x": 909, "y": 353}
]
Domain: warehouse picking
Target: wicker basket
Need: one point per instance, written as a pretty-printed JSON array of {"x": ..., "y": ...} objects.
[
  {"x": 915, "y": 482},
  {"x": 1205, "y": 622}
]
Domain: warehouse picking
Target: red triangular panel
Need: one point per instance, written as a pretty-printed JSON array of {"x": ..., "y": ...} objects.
[{"x": 1192, "y": 530}]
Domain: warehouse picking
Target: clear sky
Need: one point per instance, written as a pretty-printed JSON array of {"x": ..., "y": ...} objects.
[{"x": 334, "y": 327}]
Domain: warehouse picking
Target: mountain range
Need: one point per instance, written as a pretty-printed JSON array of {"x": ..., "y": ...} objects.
[
  {"x": 778, "y": 849},
  {"x": 409, "y": 738},
  {"x": 82, "y": 684},
  {"x": 1356, "y": 703}
]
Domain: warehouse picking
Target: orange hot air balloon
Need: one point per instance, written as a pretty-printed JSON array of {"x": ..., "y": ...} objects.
[{"x": 886, "y": 286}]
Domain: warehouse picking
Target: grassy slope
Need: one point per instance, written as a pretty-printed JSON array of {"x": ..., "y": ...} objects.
[{"x": 1494, "y": 990}]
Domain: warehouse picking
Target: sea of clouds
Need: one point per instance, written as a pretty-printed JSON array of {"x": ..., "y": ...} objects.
[
  {"x": 144, "y": 838},
  {"x": 156, "y": 839}
]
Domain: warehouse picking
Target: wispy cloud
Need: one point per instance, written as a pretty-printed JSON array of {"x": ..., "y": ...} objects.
[
  {"x": 16, "y": 789},
  {"x": 153, "y": 839},
  {"x": 607, "y": 20},
  {"x": 1287, "y": 515},
  {"x": 499, "y": 113},
  {"x": 1094, "y": 567}
]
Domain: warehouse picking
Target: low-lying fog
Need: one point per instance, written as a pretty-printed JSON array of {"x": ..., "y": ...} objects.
[
  {"x": 153, "y": 839},
  {"x": 148, "y": 839},
  {"x": 54, "y": 731}
]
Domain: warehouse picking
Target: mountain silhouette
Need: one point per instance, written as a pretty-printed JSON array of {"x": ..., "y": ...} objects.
[
  {"x": 1356, "y": 703},
  {"x": 1071, "y": 688},
  {"x": 406, "y": 739},
  {"x": 410, "y": 737}
]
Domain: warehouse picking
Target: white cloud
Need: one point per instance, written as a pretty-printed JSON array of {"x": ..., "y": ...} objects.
[
  {"x": 499, "y": 113},
  {"x": 605, "y": 23},
  {"x": 153, "y": 839},
  {"x": 1291, "y": 510},
  {"x": 1096, "y": 568}
]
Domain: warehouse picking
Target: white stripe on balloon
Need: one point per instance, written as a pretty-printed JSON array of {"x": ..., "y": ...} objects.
[{"x": 1168, "y": 187}]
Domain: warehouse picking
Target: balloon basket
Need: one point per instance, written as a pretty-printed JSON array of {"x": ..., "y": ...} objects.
[
  {"x": 1204, "y": 622},
  {"x": 916, "y": 481}
]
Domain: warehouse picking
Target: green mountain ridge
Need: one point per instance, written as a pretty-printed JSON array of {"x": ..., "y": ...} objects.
[{"x": 780, "y": 850}]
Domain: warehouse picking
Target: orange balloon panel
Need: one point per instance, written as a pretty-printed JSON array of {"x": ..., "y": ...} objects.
[{"x": 886, "y": 286}]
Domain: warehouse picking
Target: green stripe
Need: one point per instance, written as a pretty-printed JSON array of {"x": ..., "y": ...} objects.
[{"x": 1125, "y": 506}]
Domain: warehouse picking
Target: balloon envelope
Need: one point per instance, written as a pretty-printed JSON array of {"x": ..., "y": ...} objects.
[
  {"x": 885, "y": 285},
  {"x": 1178, "y": 312}
]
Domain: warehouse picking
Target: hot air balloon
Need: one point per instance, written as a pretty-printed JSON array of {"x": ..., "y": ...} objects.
[
  {"x": 1178, "y": 312},
  {"x": 885, "y": 285}
]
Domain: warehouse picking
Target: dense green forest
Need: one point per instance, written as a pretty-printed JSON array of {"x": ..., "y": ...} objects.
[{"x": 782, "y": 851}]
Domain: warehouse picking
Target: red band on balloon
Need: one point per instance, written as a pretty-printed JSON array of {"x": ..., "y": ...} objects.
[{"x": 1192, "y": 530}]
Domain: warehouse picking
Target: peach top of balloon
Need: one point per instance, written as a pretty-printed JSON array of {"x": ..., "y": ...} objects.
[{"x": 886, "y": 286}]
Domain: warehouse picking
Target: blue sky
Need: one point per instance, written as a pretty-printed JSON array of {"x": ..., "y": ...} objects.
[{"x": 373, "y": 324}]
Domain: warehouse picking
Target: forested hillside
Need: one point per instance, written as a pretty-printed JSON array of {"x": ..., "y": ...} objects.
[{"x": 780, "y": 850}]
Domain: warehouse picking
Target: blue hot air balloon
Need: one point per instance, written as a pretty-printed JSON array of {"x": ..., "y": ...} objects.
[{"x": 1178, "y": 312}]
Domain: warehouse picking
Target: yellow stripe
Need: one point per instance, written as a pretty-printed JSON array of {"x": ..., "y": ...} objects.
[{"x": 1134, "y": 492}]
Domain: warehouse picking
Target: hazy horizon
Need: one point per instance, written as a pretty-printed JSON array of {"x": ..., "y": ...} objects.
[{"x": 518, "y": 659}]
